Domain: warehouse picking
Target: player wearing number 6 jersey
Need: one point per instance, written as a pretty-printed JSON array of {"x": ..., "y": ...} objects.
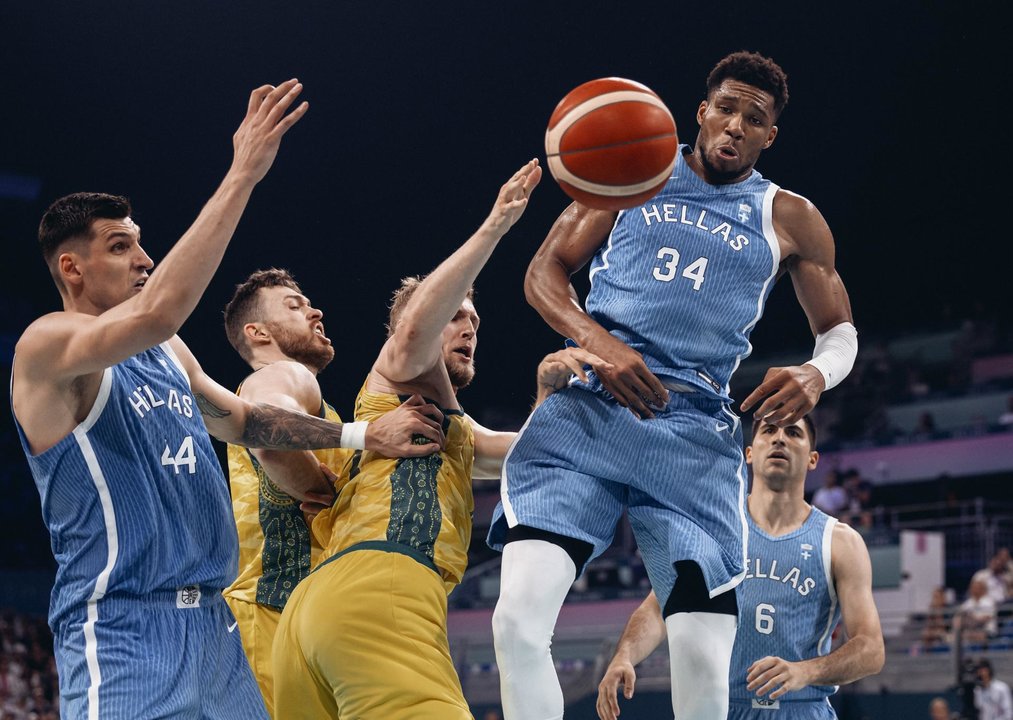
[
  {"x": 805, "y": 572},
  {"x": 677, "y": 286},
  {"x": 111, "y": 407}
]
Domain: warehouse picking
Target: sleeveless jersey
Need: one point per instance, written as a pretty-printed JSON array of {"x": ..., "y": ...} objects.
[
  {"x": 787, "y": 605},
  {"x": 683, "y": 278},
  {"x": 423, "y": 504},
  {"x": 134, "y": 498},
  {"x": 276, "y": 549}
]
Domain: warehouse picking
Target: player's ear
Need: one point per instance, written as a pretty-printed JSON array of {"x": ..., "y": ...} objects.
[
  {"x": 700, "y": 111},
  {"x": 814, "y": 459},
  {"x": 256, "y": 333},
  {"x": 68, "y": 266},
  {"x": 749, "y": 454},
  {"x": 770, "y": 137}
]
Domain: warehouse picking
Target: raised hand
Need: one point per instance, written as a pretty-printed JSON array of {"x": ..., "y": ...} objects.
[
  {"x": 513, "y": 198},
  {"x": 255, "y": 144},
  {"x": 414, "y": 429}
]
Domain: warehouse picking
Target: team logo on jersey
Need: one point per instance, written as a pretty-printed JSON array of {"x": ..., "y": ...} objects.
[
  {"x": 766, "y": 704},
  {"x": 807, "y": 550},
  {"x": 188, "y": 596},
  {"x": 745, "y": 211}
]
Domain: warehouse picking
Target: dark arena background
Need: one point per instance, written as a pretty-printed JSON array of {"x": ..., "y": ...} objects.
[{"x": 897, "y": 129}]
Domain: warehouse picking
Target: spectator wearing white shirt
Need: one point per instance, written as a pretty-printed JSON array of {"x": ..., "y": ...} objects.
[
  {"x": 832, "y": 498},
  {"x": 992, "y": 697},
  {"x": 997, "y": 576},
  {"x": 977, "y": 617}
]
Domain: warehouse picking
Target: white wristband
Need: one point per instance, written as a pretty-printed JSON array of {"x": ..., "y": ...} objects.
[
  {"x": 353, "y": 435},
  {"x": 835, "y": 353}
]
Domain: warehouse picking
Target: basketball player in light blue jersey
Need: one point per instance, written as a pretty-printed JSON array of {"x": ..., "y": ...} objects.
[
  {"x": 677, "y": 285},
  {"x": 805, "y": 572},
  {"x": 111, "y": 408}
]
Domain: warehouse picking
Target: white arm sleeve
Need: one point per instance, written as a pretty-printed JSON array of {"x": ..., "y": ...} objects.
[{"x": 835, "y": 352}]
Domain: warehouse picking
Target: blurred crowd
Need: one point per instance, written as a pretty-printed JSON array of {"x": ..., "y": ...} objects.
[{"x": 29, "y": 689}]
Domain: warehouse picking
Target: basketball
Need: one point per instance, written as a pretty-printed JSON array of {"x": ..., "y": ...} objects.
[{"x": 611, "y": 143}]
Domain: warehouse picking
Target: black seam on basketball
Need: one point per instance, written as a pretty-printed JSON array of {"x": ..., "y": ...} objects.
[{"x": 612, "y": 145}]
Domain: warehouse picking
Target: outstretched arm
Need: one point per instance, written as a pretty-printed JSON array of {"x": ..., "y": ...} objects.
[
  {"x": 788, "y": 393},
  {"x": 571, "y": 243},
  {"x": 416, "y": 343},
  {"x": 644, "y": 632},
  {"x": 234, "y": 420},
  {"x": 863, "y": 653},
  {"x": 73, "y": 345}
]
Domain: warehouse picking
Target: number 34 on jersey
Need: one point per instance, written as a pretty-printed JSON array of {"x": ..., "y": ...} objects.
[{"x": 669, "y": 268}]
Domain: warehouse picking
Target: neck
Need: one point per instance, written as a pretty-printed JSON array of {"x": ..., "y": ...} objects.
[
  {"x": 263, "y": 359},
  {"x": 777, "y": 511}
]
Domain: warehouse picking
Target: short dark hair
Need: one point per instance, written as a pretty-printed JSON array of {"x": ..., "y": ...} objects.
[
  {"x": 71, "y": 216},
  {"x": 244, "y": 307},
  {"x": 753, "y": 69},
  {"x": 403, "y": 294},
  {"x": 807, "y": 420}
]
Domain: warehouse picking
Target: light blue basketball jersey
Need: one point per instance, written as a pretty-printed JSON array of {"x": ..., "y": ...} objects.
[
  {"x": 134, "y": 498},
  {"x": 683, "y": 278},
  {"x": 787, "y": 608}
]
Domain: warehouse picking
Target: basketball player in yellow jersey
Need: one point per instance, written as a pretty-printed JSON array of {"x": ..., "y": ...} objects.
[
  {"x": 276, "y": 330},
  {"x": 365, "y": 635}
]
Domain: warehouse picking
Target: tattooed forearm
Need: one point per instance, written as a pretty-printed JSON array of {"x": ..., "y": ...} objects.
[
  {"x": 208, "y": 409},
  {"x": 274, "y": 428}
]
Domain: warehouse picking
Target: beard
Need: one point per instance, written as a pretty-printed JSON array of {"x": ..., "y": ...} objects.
[
  {"x": 461, "y": 373},
  {"x": 302, "y": 349}
]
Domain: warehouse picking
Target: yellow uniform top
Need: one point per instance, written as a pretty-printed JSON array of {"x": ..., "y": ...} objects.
[
  {"x": 420, "y": 506},
  {"x": 276, "y": 549}
]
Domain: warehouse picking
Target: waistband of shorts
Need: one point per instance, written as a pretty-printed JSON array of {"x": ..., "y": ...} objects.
[
  {"x": 676, "y": 386},
  {"x": 384, "y": 546},
  {"x": 185, "y": 597}
]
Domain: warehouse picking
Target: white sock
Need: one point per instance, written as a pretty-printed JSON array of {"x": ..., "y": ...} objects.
[
  {"x": 535, "y": 577},
  {"x": 700, "y": 647}
]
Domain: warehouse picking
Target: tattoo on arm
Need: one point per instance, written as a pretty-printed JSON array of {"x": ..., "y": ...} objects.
[
  {"x": 208, "y": 408},
  {"x": 274, "y": 428}
]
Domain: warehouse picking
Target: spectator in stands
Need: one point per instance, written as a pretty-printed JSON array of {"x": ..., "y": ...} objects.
[
  {"x": 997, "y": 576},
  {"x": 926, "y": 427},
  {"x": 939, "y": 709},
  {"x": 831, "y": 498},
  {"x": 977, "y": 618},
  {"x": 1006, "y": 419},
  {"x": 937, "y": 625},
  {"x": 992, "y": 697}
]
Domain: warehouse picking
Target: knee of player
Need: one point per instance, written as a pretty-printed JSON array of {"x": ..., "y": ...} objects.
[{"x": 512, "y": 629}]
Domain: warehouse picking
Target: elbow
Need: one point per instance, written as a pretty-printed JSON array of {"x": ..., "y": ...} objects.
[{"x": 876, "y": 655}]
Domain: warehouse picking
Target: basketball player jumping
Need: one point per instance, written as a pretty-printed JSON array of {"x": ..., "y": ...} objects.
[
  {"x": 677, "y": 286},
  {"x": 805, "y": 572},
  {"x": 109, "y": 405}
]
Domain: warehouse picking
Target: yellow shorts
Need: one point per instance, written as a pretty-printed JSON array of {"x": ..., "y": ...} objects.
[
  {"x": 257, "y": 627},
  {"x": 364, "y": 637}
]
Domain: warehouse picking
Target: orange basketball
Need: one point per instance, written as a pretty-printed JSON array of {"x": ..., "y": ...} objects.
[{"x": 611, "y": 144}]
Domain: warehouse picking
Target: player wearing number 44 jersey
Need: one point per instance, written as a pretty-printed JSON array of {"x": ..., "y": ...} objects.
[
  {"x": 111, "y": 407},
  {"x": 805, "y": 572},
  {"x": 677, "y": 285}
]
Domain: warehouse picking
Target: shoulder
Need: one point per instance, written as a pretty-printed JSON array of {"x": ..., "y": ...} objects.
[
  {"x": 800, "y": 226},
  {"x": 46, "y": 332},
  {"x": 847, "y": 547},
  {"x": 284, "y": 379}
]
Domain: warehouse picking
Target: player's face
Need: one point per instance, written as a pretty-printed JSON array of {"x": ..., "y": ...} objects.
[
  {"x": 296, "y": 326},
  {"x": 113, "y": 266},
  {"x": 736, "y": 125},
  {"x": 460, "y": 338},
  {"x": 781, "y": 454}
]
